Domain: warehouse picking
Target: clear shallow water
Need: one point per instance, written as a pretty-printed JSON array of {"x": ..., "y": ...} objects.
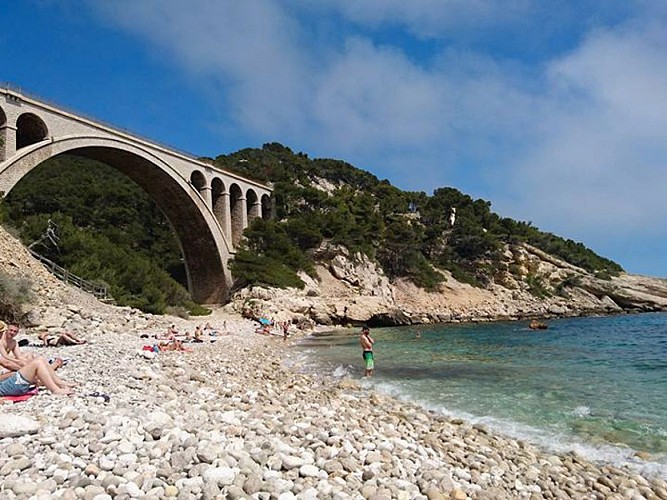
[{"x": 594, "y": 385}]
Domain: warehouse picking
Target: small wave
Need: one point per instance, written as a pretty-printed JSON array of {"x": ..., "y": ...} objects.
[
  {"x": 548, "y": 441},
  {"x": 341, "y": 371},
  {"x": 582, "y": 411}
]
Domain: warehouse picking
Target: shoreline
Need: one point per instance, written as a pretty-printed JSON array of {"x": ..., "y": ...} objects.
[
  {"x": 474, "y": 318},
  {"x": 650, "y": 464},
  {"x": 232, "y": 420}
]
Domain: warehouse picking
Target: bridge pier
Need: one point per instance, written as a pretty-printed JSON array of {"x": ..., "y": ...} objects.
[
  {"x": 222, "y": 212},
  {"x": 239, "y": 219},
  {"x": 205, "y": 193},
  {"x": 255, "y": 210},
  {"x": 7, "y": 141}
]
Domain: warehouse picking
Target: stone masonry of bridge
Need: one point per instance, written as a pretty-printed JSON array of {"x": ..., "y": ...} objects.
[{"x": 207, "y": 207}]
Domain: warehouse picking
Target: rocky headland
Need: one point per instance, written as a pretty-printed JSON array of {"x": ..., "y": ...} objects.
[
  {"x": 237, "y": 419},
  {"x": 352, "y": 289}
]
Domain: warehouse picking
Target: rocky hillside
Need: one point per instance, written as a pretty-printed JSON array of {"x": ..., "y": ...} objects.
[
  {"x": 365, "y": 251},
  {"x": 351, "y": 288},
  {"x": 352, "y": 247},
  {"x": 56, "y": 306}
]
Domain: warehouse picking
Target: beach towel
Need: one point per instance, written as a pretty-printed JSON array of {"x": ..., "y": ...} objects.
[{"x": 18, "y": 399}]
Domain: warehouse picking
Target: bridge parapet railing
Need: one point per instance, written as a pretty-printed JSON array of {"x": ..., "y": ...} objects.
[{"x": 99, "y": 291}]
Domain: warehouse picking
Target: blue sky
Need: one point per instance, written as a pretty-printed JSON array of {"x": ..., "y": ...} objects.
[{"x": 556, "y": 112}]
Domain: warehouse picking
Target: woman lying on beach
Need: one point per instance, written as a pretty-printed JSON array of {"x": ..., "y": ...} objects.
[
  {"x": 213, "y": 331},
  {"x": 174, "y": 345},
  {"x": 53, "y": 340},
  {"x": 264, "y": 330}
]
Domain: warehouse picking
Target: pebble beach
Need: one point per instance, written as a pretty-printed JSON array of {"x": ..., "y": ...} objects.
[{"x": 233, "y": 419}]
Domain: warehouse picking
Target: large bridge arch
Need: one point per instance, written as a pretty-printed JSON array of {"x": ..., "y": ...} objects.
[{"x": 200, "y": 237}]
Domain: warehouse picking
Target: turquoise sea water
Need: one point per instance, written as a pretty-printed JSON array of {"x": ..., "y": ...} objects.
[{"x": 597, "y": 386}]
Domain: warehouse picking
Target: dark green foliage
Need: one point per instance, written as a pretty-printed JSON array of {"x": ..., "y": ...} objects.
[
  {"x": 271, "y": 240},
  {"x": 369, "y": 215},
  {"x": 110, "y": 231},
  {"x": 305, "y": 234},
  {"x": 197, "y": 309},
  {"x": 14, "y": 293},
  {"x": 536, "y": 287},
  {"x": 252, "y": 269},
  {"x": 400, "y": 254},
  {"x": 270, "y": 254}
]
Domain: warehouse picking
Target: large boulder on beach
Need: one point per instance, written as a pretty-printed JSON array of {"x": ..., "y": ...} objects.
[{"x": 17, "y": 425}]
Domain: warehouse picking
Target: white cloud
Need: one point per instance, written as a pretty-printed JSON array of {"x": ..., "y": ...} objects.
[
  {"x": 369, "y": 97},
  {"x": 601, "y": 160},
  {"x": 248, "y": 52},
  {"x": 358, "y": 100}
]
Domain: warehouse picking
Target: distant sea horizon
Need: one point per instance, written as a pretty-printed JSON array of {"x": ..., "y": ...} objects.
[{"x": 593, "y": 385}]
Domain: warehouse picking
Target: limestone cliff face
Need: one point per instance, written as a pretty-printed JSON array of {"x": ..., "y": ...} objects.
[{"x": 353, "y": 289}]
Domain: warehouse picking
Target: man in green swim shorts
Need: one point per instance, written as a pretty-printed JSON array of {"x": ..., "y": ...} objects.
[{"x": 367, "y": 342}]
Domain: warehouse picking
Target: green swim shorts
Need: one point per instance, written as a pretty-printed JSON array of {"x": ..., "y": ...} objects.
[{"x": 368, "y": 358}]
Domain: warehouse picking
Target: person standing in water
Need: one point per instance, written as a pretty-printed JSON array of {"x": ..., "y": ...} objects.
[{"x": 367, "y": 342}]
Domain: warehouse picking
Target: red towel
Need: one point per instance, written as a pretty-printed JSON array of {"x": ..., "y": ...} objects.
[{"x": 18, "y": 399}]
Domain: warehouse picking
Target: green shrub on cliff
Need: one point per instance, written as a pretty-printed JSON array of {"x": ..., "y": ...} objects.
[{"x": 14, "y": 293}]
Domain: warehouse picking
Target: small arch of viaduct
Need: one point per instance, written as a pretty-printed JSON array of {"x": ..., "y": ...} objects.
[{"x": 207, "y": 207}]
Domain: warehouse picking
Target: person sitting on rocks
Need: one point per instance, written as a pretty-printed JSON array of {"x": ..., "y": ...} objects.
[
  {"x": 34, "y": 372},
  {"x": 8, "y": 346},
  {"x": 31, "y": 369},
  {"x": 198, "y": 334},
  {"x": 170, "y": 335},
  {"x": 214, "y": 331},
  {"x": 11, "y": 349},
  {"x": 54, "y": 340},
  {"x": 210, "y": 330}
]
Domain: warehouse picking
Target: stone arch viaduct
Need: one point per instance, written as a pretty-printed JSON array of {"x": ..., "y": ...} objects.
[{"x": 207, "y": 207}]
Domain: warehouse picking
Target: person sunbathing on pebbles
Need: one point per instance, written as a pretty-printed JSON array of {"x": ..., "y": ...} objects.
[
  {"x": 53, "y": 340},
  {"x": 25, "y": 370}
]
